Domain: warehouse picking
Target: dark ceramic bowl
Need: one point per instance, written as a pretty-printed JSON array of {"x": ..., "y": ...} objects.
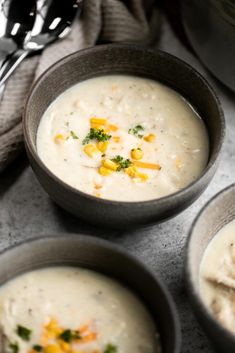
[
  {"x": 216, "y": 214},
  {"x": 131, "y": 60},
  {"x": 104, "y": 257}
]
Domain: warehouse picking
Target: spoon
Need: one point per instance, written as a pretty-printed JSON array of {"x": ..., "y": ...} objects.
[
  {"x": 16, "y": 21},
  {"x": 53, "y": 21}
]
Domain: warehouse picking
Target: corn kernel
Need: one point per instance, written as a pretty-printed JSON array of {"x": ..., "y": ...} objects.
[
  {"x": 143, "y": 177},
  {"x": 116, "y": 139},
  {"x": 105, "y": 171},
  {"x": 90, "y": 149},
  {"x": 107, "y": 163},
  {"x": 178, "y": 163},
  {"x": 132, "y": 171},
  {"x": 96, "y": 126},
  {"x": 150, "y": 138},
  {"x": 59, "y": 138},
  {"x": 137, "y": 153},
  {"x": 52, "y": 348},
  {"x": 44, "y": 339},
  {"x": 99, "y": 127},
  {"x": 57, "y": 331},
  {"x": 98, "y": 121},
  {"x": 52, "y": 324},
  {"x": 97, "y": 187},
  {"x": 64, "y": 346},
  {"x": 113, "y": 127},
  {"x": 102, "y": 146},
  {"x": 52, "y": 328}
]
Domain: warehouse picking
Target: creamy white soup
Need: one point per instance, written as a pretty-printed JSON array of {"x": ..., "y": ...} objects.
[
  {"x": 123, "y": 138},
  {"x": 72, "y": 310},
  {"x": 217, "y": 276}
]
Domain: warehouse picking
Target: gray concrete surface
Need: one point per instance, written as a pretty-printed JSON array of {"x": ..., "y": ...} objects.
[{"x": 26, "y": 211}]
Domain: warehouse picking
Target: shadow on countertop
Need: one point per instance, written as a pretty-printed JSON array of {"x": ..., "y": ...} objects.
[
  {"x": 12, "y": 173},
  {"x": 72, "y": 224}
]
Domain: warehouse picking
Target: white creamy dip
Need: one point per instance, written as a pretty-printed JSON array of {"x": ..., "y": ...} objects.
[
  {"x": 148, "y": 127},
  {"x": 217, "y": 276},
  {"x": 72, "y": 310}
]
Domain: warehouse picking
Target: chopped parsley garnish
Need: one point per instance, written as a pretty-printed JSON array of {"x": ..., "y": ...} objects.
[
  {"x": 37, "y": 348},
  {"x": 70, "y": 335},
  {"x": 24, "y": 332},
  {"x": 67, "y": 123},
  {"x": 73, "y": 135},
  {"x": 122, "y": 163},
  {"x": 136, "y": 131},
  {"x": 110, "y": 348},
  {"x": 14, "y": 347},
  {"x": 96, "y": 134}
]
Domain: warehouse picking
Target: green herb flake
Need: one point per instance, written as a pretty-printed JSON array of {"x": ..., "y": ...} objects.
[
  {"x": 70, "y": 335},
  {"x": 66, "y": 336},
  {"x": 136, "y": 131},
  {"x": 73, "y": 135},
  {"x": 96, "y": 134},
  {"x": 110, "y": 348},
  {"x": 37, "y": 348},
  {"x": 122, "y": 163},
  {"x": 67, "y": 123},
  {"x": 24, "y": 333},
  {"x": 14, "y": 347}
]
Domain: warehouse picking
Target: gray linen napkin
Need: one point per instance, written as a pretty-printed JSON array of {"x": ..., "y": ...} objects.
[{"x": 101, "y": 20}]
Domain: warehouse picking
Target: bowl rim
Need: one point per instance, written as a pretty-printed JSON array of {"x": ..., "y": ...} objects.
[
  {"x": 138, "y": 204},
  {"x": 191, "y": 288},
  {"x": 109, "y": 246}
]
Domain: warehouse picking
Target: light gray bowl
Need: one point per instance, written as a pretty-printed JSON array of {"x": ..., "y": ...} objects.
[
  {"x": 132, "y": 60},
  {"x": 217, "y": 213},
  {"x": 104, "y": 257}
]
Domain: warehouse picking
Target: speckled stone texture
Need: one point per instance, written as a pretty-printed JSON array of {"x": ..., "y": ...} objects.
[{"x": 26, "y": 211}]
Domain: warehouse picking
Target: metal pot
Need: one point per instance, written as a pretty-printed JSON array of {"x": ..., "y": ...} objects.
[{"x": 210, "y": 27}]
